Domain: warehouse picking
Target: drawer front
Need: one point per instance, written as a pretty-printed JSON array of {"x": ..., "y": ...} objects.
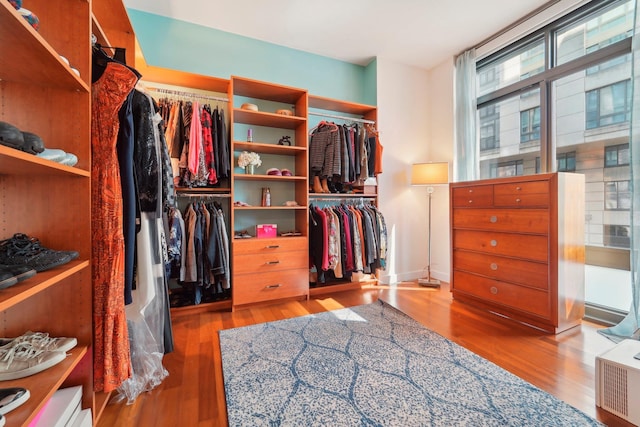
[
  {"x": 257, "y": 246},
  {"x": 535, "y": 193},
  {"x": 528, "y": 247},
  {"x": 516, "y": 297},
  {"x": 251, "y": 288},
  {"x": 270, "y": 261},
  {"x": 473, "y": 196},
  {"x": 527, "y": 273},
  {"x": 516, "y": 220}
]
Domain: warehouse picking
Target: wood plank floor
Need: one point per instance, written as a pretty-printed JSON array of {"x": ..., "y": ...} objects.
[{"x": 193, "y": 393}]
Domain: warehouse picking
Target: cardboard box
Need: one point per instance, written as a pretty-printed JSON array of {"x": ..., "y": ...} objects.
[{"x": 266, "y": 231}]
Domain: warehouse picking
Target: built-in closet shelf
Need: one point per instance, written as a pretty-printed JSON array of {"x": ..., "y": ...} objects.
[
  {"x": 16, "y": 162},
  {"x": 41, "y": 387},
  {"x": 22, "y": 291},
  {"x": 267, "y": 91},
  {"x": 270, "y": 178},
  {"x": 260, "y": 147},
  {"x": 28, "y": 58},
  {"x": 98, "y": 31},
  {"x": 323, "y": 103},
  {"x": 261, "y": 118}
]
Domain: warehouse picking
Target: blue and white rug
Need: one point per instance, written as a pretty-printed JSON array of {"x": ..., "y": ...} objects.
[{"x": 372, "y": 365}]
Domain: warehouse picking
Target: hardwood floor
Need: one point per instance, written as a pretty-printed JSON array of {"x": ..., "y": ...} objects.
[{"x": 193, "y": 393}]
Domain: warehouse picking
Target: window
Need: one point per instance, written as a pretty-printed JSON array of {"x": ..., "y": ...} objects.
[
  {"x": 616, "y": 155},
  {"x": 566, "y": 162},
  {"x": 609, "y": 105},
  {"x": 617, "y": 195},
  {"x": 489, "y": 127},
  {"x": 564, "y": 93},
  {"x": 617, "y": 236},
  {"x": 530, "y": 125}
]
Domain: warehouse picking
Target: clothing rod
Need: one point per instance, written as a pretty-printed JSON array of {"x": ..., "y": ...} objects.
[
  {"x": 343, "y": 200},
  {"x": 187, "y": 94},
  {"x": 207, "y": 196},
  {"x": 353, "y": 119}
]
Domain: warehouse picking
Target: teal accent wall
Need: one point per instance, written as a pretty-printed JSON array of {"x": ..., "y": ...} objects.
[{"x": 179, "y": 45}]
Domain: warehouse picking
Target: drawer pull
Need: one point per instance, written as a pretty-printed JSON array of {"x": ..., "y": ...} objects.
[
  {"x": 494, "y": 243},
  {"x": 518, "y": 200},
  {"x": 493, "y": 219},
  {"x": 470, "y": 190},
  {"x": 272, "y": 247},
  {"x": 272, "y": 262},
  {"x": 494, "y": 266},
  {"x": 277, "y": 285},
  {"x": 518, "y": 188},
  {"x": 494, "y": 290},
  {"x": 470, "y": 201}
]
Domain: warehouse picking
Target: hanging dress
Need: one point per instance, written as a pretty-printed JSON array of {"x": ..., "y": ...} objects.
[{"x": 112, "y": 363}]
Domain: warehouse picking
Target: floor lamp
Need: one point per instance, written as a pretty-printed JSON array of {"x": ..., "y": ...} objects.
[{"x": 429, "y": 174}]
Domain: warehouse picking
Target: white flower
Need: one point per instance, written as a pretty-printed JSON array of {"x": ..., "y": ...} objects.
[{"x": 247, "y": 158}]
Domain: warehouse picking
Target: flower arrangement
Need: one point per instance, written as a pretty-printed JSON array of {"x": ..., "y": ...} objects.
[{"x": 247, "y": 158}]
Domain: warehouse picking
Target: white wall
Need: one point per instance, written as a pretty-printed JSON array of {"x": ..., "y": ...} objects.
[{"x": 415, "y": 116}]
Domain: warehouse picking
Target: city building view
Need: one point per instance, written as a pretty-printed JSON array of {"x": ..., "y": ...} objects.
[{"x": 561, "y": 101}]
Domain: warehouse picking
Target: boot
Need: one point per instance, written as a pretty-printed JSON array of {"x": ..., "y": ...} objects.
[
  {"x": 325, "y": 188},
  {"x": 317, "y": 188}
]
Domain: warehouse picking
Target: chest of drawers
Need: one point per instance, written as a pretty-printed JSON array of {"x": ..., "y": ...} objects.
[
  {"x": 517, "y": 247},
  {"x": 270, "y": 269}
]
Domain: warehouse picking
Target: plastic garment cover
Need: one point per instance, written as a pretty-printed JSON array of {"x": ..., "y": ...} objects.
[{"x": 146, "y": 315}]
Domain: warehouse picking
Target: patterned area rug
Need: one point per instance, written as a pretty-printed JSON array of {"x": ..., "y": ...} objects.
[{"x": 372, "y": 365}]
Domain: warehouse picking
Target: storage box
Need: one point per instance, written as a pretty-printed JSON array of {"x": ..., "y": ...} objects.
[
  {"x": 266, "y": 231},
  {"x": 61, "y": 410}
]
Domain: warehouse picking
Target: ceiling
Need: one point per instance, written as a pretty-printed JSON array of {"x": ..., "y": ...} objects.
[{"x": 421, "y": 33}]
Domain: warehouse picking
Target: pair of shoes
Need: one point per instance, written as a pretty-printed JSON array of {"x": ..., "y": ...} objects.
[
  {"x": 11, "y": 398},
  {"x": 12, "y": 274},
  {"x": 279, "y": 172},
  {"x": 22, "y": 250},
  {"x": 290, "y": 203},
  {"x": 30, "y": 353},
  {"x": 241, "y": 204},
  {"x": 13, "y": 137},
  {"x": 59, "y": 156},
  {"x": 244, "y": 234}
]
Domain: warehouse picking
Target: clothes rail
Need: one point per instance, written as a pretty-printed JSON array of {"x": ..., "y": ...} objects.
[
  {"x": 205, "y": 196},
  {"x": 187, "y": 94},
  {"x": 352, "y": 119},
  {"x": 351, "y": 201}
]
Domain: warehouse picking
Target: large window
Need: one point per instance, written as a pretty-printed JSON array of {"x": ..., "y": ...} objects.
[{"x": 564, "y": 96}]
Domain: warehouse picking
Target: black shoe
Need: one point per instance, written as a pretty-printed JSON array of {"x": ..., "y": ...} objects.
[
  {"x": 11, "y": 398},
  {"x": 26, "y": 251},
  {"x": 11, "y": 136},
  {"x": 7, "y": 279},
  {"x": 20, "y": 272}
]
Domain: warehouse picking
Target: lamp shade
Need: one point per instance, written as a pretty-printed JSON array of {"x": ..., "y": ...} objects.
[{"x": 430, "y": 173}]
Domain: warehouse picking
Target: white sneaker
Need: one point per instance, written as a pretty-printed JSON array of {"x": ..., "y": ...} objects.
[
  {"x": 41, "y": 341},
  {"x": 22, "y": 360},
  {"x": 11, "y": 398}
]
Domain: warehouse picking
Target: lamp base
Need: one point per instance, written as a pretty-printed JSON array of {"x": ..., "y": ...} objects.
[{"x": 431, "y": 283}]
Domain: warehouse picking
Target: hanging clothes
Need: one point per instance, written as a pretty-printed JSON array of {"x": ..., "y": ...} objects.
[
  {"x": 346, "y": 239},
  {"x": 110, "y": 88}
]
